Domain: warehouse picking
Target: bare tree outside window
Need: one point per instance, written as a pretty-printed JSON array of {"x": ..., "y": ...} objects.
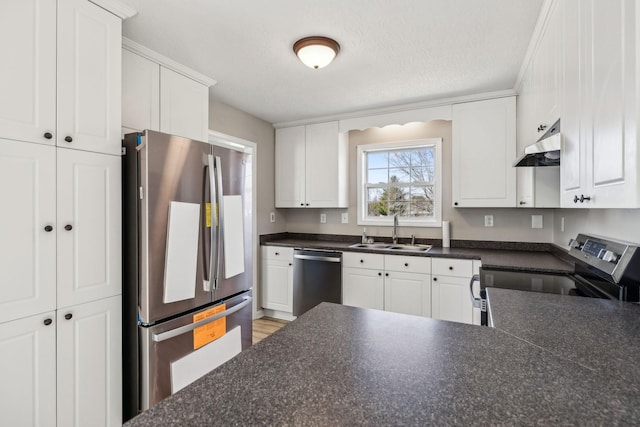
[{"x": 401, "y": 182}]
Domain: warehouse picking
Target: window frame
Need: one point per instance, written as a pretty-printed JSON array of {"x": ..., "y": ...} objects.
[{"x": 361, "y": 193}]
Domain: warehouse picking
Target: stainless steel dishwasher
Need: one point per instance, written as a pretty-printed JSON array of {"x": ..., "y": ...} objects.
[{"x": 317, "y": 277}]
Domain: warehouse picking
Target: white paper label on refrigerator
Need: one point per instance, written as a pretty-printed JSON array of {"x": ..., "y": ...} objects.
[{"x": 181, "y": 259}]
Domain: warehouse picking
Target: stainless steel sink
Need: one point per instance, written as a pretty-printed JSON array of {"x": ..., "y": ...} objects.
[{"x": 391, "y": 247}]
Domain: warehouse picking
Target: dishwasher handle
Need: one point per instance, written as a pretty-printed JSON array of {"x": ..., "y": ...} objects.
[
  {"x": 318, "y": 258},
  {"x": 477, "y": 302}
]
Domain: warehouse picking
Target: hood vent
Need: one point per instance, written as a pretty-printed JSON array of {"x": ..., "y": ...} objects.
[{"x": 545, "y": 152}]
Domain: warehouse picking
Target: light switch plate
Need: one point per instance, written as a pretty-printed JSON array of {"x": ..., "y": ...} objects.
[
  {"x": 536, "y": 221},
  {"x": 561, "y": 223},
  {"x": 323, "y": 218},
  {"x": 272, "y": 217},
  {"x": 488, "y": 220},
  {"x": 345, "y": 217}
]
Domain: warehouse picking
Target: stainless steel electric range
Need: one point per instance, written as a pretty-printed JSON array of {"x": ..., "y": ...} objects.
[{"x": 604, "y": 268}]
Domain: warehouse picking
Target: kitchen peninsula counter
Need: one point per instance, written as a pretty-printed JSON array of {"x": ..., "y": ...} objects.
[{"x": 339, "y": 365}]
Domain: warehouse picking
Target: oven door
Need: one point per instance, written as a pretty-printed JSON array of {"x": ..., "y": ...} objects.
[{"x": 179, "y": 351}]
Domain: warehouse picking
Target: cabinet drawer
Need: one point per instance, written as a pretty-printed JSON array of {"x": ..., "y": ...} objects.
[
  {"x": 409, "y": 264},
  {"x": 277, "y": 252},
  {"x": 452, "y": 267},
  {"x": 362, "y": 260}
]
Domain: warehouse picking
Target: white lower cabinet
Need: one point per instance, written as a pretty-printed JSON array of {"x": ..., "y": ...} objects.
[
  {"x": 63, "y": 367},
  {"x": 277, "y": 281},
  {"x": 387, "y": 282},
  {"x": 451, "y": 298},
  {"x": 89, "y": 364},
  {"x": 28, "y": 371}
]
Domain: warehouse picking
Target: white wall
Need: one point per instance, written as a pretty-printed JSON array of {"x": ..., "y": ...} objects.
[
  {"x": 468, "y": 224},
  {"x": 619, "y": 224}
]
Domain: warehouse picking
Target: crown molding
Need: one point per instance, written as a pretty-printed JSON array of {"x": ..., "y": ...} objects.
[
  {"x": 118, "y": 8},
  {"x": 399, "y": 109},
  {"x": 169, "y": 63}
]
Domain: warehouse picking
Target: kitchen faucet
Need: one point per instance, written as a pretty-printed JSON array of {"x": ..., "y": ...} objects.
[{"x": 395, "y": 229}]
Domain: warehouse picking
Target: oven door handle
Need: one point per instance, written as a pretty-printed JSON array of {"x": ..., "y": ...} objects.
[{"x": 477, "y": 302}]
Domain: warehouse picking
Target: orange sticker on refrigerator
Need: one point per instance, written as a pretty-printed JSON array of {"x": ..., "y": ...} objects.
[
  {"x": 207, "y": 214},
  {"x": 211, "y": 331}
]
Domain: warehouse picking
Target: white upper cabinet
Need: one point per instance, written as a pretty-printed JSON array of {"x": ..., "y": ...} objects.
[
  {"x": 484, "y": 148},
  {"x": 28, "y": 229},
  {"x": 600, "y": 101},
  {"x": 311, "y": 166},
  {"x": 184, "y": 106},
  {"x": 89, "y": 227},
  {"x": 82, "y": 90},
  {"x": 89, "y": 76},
  {"x": 140, "y": 92},
  {"x": 162, "y": 95},
  {"x": 28, "y": 71}
]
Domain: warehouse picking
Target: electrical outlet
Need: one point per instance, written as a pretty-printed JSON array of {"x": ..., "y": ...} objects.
[
  {"x": 272, "y": 217},
  {"x": 488, "y": 220},
  {"x": 536, "y": 221},
  {"x": 345, "y": 217},
  {"x": 323, "y": 218},
  {"x": 561, "y": 223}
]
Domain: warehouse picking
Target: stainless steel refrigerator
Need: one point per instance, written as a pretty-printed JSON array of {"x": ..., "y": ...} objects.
[{"x": 186, "y": 263}]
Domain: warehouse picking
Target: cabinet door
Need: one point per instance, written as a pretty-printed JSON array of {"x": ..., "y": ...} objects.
[
  {"x": 407, "y": 293},
  {"x": 184, "y": 106},
  {"x": 140, "y": 92},
  {"x": 277, "y": 282},
  {"x": 28, "y": 250},
  {"x": 290, "y": 167},
  {"x": 89, "y": 364},
  {"x": 525, "y": 120},
  {"x": 28, "y": 71},
  {"x": 89, "y": 227},
  {"x": 484, "y": 148},
  {"x": 325, "y": 166},
  {"x": 363, "y": 288},
  {"x": 89, "y": 77},
  {"x": 28, "y": 371},
  {"x": 451, "y": 300},
  {"x": 546, "y": 74}
]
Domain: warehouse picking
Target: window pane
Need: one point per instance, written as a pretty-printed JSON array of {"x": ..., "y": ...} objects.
[
  {"x": 423, "y": 157},
  {"x": 377, "y": 159},
  {"x": 399, "y": 175},
  {"x": 422, "y": 201},
  {"x": 398, "y": 208},
  {"x": 377, "y": 176},
  {"x": 400, "y": 159}
]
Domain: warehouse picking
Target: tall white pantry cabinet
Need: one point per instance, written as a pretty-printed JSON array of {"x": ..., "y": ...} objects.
[{"x": 60, "y": 251}]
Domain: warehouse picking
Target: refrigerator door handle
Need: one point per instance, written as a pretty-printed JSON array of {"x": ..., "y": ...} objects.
[
  {"x": 206, "y": 262},
  {"x": 220, "y": 210},
  {"x": 210, "y": 279},
  {"x": 163, "y": 336}
]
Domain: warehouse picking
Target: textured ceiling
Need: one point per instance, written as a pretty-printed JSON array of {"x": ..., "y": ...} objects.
[{"x": 392, "y": 52}]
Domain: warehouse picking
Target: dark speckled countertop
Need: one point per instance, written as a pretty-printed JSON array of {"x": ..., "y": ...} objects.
[
  {"x": 339, "y": 365},
  {"x": 544, "y": 258}
]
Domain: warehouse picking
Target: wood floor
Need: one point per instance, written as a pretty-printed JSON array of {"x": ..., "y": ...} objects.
[{"x": 265, "y": 326}]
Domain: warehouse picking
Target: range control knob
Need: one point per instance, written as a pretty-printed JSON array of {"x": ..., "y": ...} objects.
[{"x": 609, "y": 256}]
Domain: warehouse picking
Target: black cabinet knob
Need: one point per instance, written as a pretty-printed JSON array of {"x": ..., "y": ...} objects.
[
  {"x": 68, "y": 316},
  {"x": 455, "y": 204},
  {"x": 450, "y": 268},
  {"x": 48, "y": 135},
  {"x": 47, "y": 322},
  {"x": 541, "y": 128},
  {"x": 307, "y": 204},
  {"x": 301, "y": 204},
  {"x": 523, "y": 203},
  {"x": 435, "y": 279},
  {"x": 361, "y": 261},
  {"x": 379, "y": 274},
  {"x": 277, "y": 253},
  {"x": 48, "y": 228},
  {"x": 290, "y": 264},
  {"x": 386, "y": 274},
  {"x": 575, "y": 199},
  {"x": 68, "y": 139},
  {"x": 406, "y": 264},
  {"x": 68, "y": 227}
]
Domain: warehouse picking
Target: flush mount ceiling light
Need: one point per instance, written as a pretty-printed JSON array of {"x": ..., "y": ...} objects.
[{"x": 316, "y": 51}]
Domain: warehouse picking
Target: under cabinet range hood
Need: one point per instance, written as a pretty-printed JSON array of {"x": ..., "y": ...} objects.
[{"x": 545, "y": 152}]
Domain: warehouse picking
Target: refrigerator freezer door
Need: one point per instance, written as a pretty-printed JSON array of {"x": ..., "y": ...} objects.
[
  {"x": 234, "y": 187},
  {"x": 172, "y": 169},
  {"x": 173, "y": 353}
]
